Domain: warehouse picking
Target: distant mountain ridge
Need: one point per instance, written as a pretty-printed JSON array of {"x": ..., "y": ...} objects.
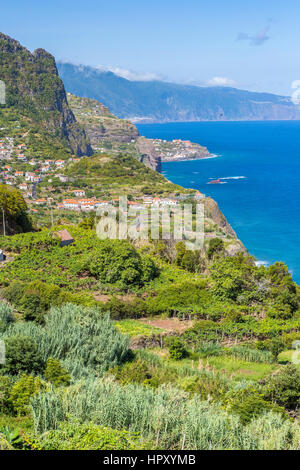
[{"x": 156, "y": 101}]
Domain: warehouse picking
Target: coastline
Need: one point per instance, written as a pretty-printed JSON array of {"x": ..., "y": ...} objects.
[{"x": 186, "y": 159}]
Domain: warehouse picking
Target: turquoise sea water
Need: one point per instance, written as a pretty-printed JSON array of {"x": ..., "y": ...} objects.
[{"x": 263, "y": 204}]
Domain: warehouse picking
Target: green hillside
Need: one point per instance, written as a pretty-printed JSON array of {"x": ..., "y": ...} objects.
[{"x": 36, "y": 105}]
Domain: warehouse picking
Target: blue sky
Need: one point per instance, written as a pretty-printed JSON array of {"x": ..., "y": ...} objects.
[{"x": 248, "y": 44}]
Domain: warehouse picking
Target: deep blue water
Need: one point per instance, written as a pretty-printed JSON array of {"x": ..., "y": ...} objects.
[{"x": 263, "y": 207}]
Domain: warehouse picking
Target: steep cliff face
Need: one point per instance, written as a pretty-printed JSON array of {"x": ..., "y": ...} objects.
[
  {"x": 111, "y": 133},
  {"x": 35, "y": 93},
  {"x": 147, "y": 153},
  {"x": 99, "y": 123}
]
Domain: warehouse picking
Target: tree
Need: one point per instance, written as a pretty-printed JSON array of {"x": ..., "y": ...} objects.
[
  {"x": 13, "y": 211},
  {"x": 215, "y": 247},
  {"x": 117, "y": 261},
  {"x": 180, "y": 252},
  {"x": 232, "y": 276},
  {"x": 275, "y": 345}
]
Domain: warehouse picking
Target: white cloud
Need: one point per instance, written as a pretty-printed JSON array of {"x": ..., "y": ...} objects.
[
  {"x": 220, "y": 81},
  {"x": 130, "y": 75}
]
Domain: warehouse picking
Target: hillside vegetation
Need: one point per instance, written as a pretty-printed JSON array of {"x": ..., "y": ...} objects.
[
  {"x": 36, "y": 101},
  {"x": 127, "y": 344},
  {"x": 105, "y": 368}
]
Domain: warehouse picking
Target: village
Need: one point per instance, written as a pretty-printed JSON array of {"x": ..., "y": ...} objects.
[
  {"x": 26, "y": 173},
  {"x": 177, "y": 150}
]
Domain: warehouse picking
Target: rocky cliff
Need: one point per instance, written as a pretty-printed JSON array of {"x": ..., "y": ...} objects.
[
  {"x": 147, "y": 153},
  {"x": 99, "y": 123},
  {"x": 109, "y": 133},
  {"x": 35, "y": 94}
]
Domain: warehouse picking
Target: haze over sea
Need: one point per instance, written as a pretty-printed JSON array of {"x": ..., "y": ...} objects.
[{"x": 262, "y": 205}]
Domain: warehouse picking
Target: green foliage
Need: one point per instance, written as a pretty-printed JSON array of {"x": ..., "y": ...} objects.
[
  {"x": 137, "y": 328},
  {"x": 87, "y": 223},
  {"x": 15, "y": 210},
  {"x": 80, "y": 265},
  {"x": 5, "y": 388},
  {"x": 274, "y": 345},
  {"x": 4, "y": 444},
  {"x": 231, "y": 276},
  {"x": 88, "y": 436},
  {"x": 55, "y": 373},
  {"x": 22, "y": 390},
  {"x": 118, "y": 309},
  {"x": 163, "y": 415},
  {"x": 191, "y": 260},
  {"x": 35, "y": 298},
  {"x": 21, "y": 355},
  {"x": 6, "y": 316},
  {"x": 248, "y": 403},
  {"x": 215, "y": 247},
  {"x": 283, "y": 388},
  {"x": 133, "y": 372},
  {"x": 280, "y": 312},
  {"x": 176, "y": 348},
  {"x": 208, "y": 387},
  {"x": 84, "y": 340},
  {"x": 180, "y": 299},
  {"x": 236, "y": 278},
  {"x": 13, "y": 439},
  {"x": 118, "y": 262},
  {"x": 246, "y": 353}
]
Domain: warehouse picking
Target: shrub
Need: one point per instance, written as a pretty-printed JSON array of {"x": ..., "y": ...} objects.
[
  {"x": 188, "y": 259},
  {"x": 176, "y": 348},
  {"x": 211, "y": 387},
  {"x": 4, "y": 444},
  {"x": 25, "y": 388},
  {"x": 283, "y": 388},
  {"x": 14, "y": 292},
  {"x": 55, "y": 373},
  {"x": 133, "y": 372},
  {"x": 85, "y": 341},
  {"x": 248, "y": 403},
  {"x": 118, "y": 309},
  {"x": 21, "y": 355},
  {"x": 274, "y": 345},
  {"x": 88, "y": 436}
]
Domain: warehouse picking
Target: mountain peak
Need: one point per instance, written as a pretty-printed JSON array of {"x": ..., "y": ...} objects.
[{"x": 35, "y": 92}]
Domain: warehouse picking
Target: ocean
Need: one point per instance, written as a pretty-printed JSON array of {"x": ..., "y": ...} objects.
[{"x": 259, "y": 163}]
